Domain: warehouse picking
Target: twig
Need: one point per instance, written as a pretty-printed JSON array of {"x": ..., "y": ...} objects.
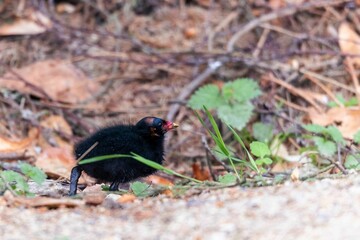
[
  {"x": 196, "y": 82},
  {"x": 220, "y": 26},
  {"x": 261, "y": 43},
  {"x": 87, "y": 151},
  {"x": 14, "y": 156},
  {"x": 295, "y": 91},
  {"x": 292, "y": 105},
  {"x": 327, "y": 80},
  {"x": 326, "y": 90},
  {"x": 350, "y": 64},
  {"x": 283, "y": 12}
]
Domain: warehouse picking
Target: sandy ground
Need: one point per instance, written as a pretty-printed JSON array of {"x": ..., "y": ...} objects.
[{"x": 325, "y": 209}]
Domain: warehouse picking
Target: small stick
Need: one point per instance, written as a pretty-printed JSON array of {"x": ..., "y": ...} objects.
[
  {"x": 87, "y": 151},
  {"x": 350, "y": 64},
  {"x": 294, "y": 91},
  {"x": 325, "y": 89}
]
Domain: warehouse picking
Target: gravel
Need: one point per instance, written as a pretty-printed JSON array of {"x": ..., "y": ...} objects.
[{"x": 324, "y": 209}]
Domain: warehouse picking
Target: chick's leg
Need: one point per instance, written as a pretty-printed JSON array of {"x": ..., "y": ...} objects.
[{"x": 74, "y": 178}]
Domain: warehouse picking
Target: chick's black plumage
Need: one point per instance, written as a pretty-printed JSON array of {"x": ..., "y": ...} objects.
[{"x": 146, "y": 138}]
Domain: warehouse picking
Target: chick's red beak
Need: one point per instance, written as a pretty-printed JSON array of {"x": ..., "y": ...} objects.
[{"x": 170, "y": 125}]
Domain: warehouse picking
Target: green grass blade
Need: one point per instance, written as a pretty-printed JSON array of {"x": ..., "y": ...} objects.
[
  {"x": 140, "y": 159},
  {"x": 238, "y": 138}
]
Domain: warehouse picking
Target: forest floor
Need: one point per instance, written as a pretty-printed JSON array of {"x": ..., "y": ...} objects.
[
  {"x": 323, "y": 209},
  {"x": 70, "y": 67}
]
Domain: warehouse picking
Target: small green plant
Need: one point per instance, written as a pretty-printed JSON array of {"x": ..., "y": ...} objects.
[
  {"x": 228, "y": 178},
  {"x": 258, "y": 149},
  {"x": 261, "y": 151},
  {"x": 17, "y": 183},
  {"x": 232, "y": 101},
  {"x": 326, "y": 138},
  {"x": 263, "y": 132},
  {"x": 347, "y": 103},
  {"x": 140, "y": 189},
  {"x": 352, "y": 162}
]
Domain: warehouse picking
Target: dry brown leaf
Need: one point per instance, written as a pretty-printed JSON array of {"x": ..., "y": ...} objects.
[
  {"x": 55, "y": 123},
  {"x": 41, "y": 201},
  {"x": 349, "y": 41},
  {"x": 200, "y": 173},
  {"x": 34, "y": 23},
  {"x": 346, "y": 119},
  {"x": 8, "y": 145},
  {"x": 60, "y": 80},
  {"x": 56, "y": 162},
  {"x": 126, "y": 198},
  {"x": 159, "y": 180}
]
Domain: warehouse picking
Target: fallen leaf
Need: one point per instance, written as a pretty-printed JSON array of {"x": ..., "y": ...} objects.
[
  {"x": 349, "y": 41},
  {"x": 126, "y": 198},
  {"x": 41, "y": 201},
  {"x": 60, "y": 80},
  {"x": 345, "y": 119},
  {"x": 159, "y": 180},
  {"x": 32, "y": 23},
  {"x": 200, "y": 173},
  {"x": 9, "y": 145},
  {"x": 50, "y": 137},
  {"x": 56, "y": 162}
]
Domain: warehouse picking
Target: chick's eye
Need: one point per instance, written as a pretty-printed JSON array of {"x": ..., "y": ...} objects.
[{"x": 160, "y": 124}]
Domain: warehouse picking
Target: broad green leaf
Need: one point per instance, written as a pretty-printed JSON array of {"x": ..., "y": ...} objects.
[
  {"x": 21, "y": 185},
  {"x": 259, "y": 149},
  {"x": 208, "y": 95},
  {"x": 314, "y": 128},
  {"x": 352, "y": 163},
  {"x": 335, "y": 134},
  {"x": 357, "y": 137},
  {"x": 242, "y": 90},
  {"x": 32, "y": 172},
  {"x": 237, "y": 116},
  {"x": 263, "y": 132},
  {"x": 267, "y": 160},
  {"x": 227, "y": 178},
  {"x": 325, "y": 147},
  {"x": 140, "y": 189}
]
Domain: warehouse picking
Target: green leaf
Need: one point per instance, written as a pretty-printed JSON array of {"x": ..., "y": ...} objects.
[
  {"x": 335, "y": 134},
  {"x": 36, "y": 174},
  {"x": 237, "y": 116},
  {"x": 314, "y": 128},
  {"x": 21, "y": 185},
  {"x": 357, "y": 137},
  {"x": 352, "y": 163},
  {"x": 267, "y": 160},
  {"x": 242, "y": 90},
  {"x": 325, "y": 147},
  {"x": 259, "y": 149},
  {"x": 140, "y": 189},
  {"x": 263, "y": 132},
  {"x": 208, "y": 95},
  {"x": 227, "y": 178},
  {"x": 251, "y": 159}
]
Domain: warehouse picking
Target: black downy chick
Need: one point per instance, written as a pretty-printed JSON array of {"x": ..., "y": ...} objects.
[{"x": 146, "y": 139}]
